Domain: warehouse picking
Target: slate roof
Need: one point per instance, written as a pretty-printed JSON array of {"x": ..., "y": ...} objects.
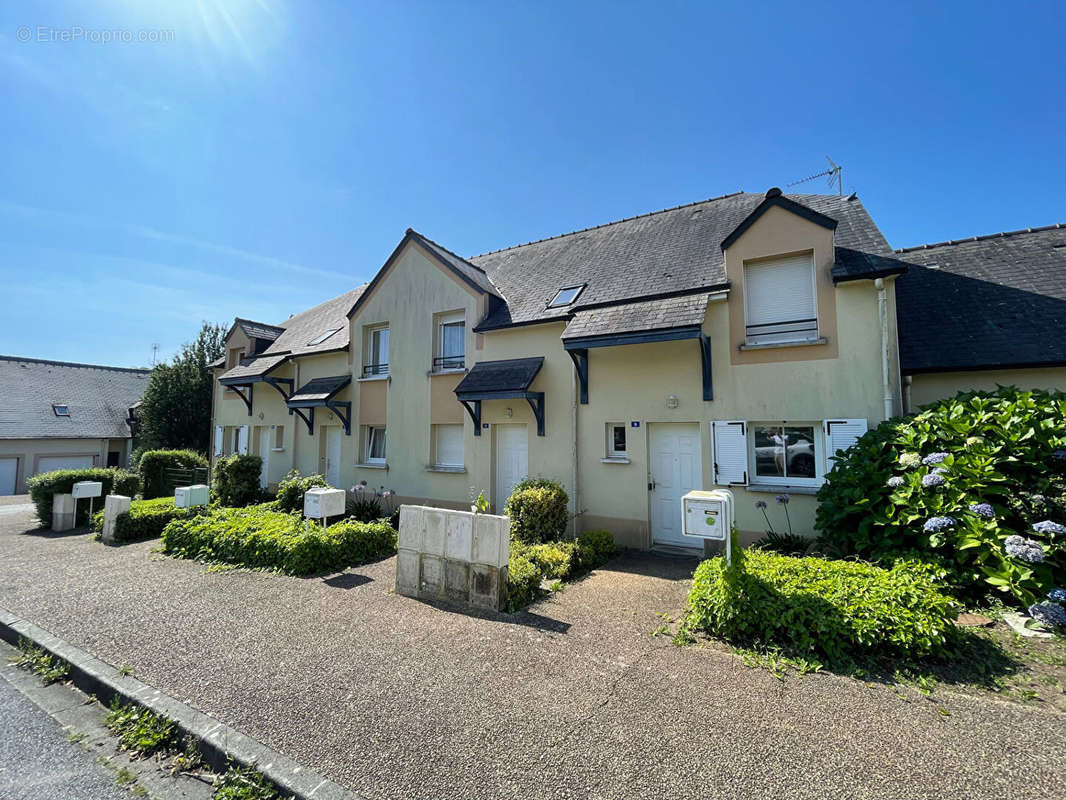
[
  {"x": 488, "y": 377},
  {"x": 319, "y": 389},
  {"x": 252, "y": 368},
  {"x": 98, "y": 398},
  {"x": 649, "y": 315},
  {"x": 259, "y": 330},
  {"x": 468, "y": 271},
  {"x": 663, "y": 253},
  {"x": 983, "y": 303}
]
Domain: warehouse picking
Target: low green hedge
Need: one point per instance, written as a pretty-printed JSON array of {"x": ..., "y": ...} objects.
[
  {"x": 153, "y": 462},
  {"x": 145, "y": 519},
  {"x": 835, "y": 610},
  {"x": 235, "y": 480},
  {"x": 46, "y": 484},
  {"x": 530, "y": 564},
  {"x": 262, "y": 538},
  {"x": 538, "y": 510}
]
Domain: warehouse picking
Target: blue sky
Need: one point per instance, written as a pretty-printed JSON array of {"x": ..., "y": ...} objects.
[{"x": 271, "y": 154}]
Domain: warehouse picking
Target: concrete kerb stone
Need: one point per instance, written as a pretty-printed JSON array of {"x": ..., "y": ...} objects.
[{"x": 219, "y": 743}]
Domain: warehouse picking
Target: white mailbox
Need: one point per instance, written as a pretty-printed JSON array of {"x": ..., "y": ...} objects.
[
  {"x": 87, "y": 489},
  {"x": 190, "y": 496},
  {"x": 708, "y": 515},
  {"x": 323, "y": 503}
]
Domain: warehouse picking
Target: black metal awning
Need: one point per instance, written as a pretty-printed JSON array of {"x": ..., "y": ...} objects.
[
  {"x": 319, "y": 393},
  {"x": 255, "y": 370},
  {"x": 501, "y": 380}
]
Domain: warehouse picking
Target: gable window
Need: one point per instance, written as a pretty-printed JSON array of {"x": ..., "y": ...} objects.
[
  {"x": 375, "y": 444},
  {"x": 448, "y": 446},
  {"x": 322, "y": 337},
  {"x": 786, "y": 453},
  {"x": 616, "y": 440},
  {"x": 451, "y": 343},
  {"x": 566, "y": 296},
  {"x": 779, "y": 301},
  {"x": 377, "y": 352},
  {"x": 235, "y": 356},
  {"x": 61, "y": 410}
]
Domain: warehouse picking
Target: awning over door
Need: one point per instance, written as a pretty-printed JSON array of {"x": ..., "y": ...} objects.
[
  {"x": 319, "y": 392},
  {"x": 255, "y": 370},
  {"x": 501, "y": 380},
  {"x": 664, "y": 320}
]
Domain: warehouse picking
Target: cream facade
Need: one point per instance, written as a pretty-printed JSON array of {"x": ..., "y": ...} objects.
[{"x": 927, "y": 387}]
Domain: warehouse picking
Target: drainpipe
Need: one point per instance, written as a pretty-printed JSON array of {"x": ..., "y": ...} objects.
[
  {"x": 573, "y": 447},
  {"x": 882, "y": 315}
]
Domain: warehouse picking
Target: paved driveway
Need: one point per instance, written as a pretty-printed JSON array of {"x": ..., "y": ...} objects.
[{"x": 399, "y": 699}]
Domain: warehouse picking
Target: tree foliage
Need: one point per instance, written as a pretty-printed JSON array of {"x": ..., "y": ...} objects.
[{"x": 175, "y": 412}]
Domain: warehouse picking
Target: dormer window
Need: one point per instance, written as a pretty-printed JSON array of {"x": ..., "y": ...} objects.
[
  {"x": 566, "y": 296},
  {"x": 60, "y": 410},
  {"x": 322, "y": 337},
  {"x": 779, "y": 301}
]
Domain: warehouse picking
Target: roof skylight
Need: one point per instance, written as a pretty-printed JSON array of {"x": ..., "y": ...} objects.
[
  {"x": 60, "y": 410},
  {"x": 566, "y": 296},
  {"x": 322, "y": 337}
]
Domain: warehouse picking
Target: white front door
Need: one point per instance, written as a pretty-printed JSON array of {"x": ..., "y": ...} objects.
[
  {"x": 333, "y": 455},
  {"x": 675, "y": 471},
  {"x": 264, "y": 454},
  {"x": 512, "y": 460},
  {"x": 9, "y": 468}
]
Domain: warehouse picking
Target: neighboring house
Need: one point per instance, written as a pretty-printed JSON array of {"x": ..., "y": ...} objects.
[
  {"x": 59, "y": 415},
  {"x": 738, "y": 341},
  {"x": 978, "y": 312}
]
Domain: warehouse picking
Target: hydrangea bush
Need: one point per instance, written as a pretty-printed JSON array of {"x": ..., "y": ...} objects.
[{"x": 974, "y": 484}]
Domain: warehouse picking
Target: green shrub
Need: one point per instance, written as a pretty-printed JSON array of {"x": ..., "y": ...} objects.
[
  {"x": 601, "y": 543},
  {"x": 235, "y": 481},
  {"x": 261, "y": 538},
  {"x": 537, "y": 508},
  {"x": 554, "y": 561},
  {"x": 152, "y": 463},
  {"x": 1006, "y": 449},
  {"x": 835, "y": 610},
  {"x": 523, "y": 581},
  {"x": 363, "y": 510},
  {"x": 46, "y": 484},
  {"x": 145, "y": 519},
  {"x": 290, "y": 496}
]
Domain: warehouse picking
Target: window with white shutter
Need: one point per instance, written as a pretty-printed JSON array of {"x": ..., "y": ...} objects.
[
  {"x": 448, "y": 446},
  {"x": 840, "y": 434},
  {"x": 730, "y": 453},
  {"x": 219, "y": 440},
  {"x": 779, "y": 300},
  {"x": 242, "y": 440}
]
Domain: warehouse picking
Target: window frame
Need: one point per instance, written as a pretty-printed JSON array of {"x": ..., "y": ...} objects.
[
  {"x": 611, "y": 451},
  {"x": 279, "y": 439},
  {"x": 790, "y": 338},
  {"x": 322, "y": 337},
  {"x": 818, "y": 445},
  {"x": 371, "y": 367},
  {"x": 369, "y": 439},
  {"x": 436, "y": 446},
  {"x": 555, "y": 303},
  {"x": 441, "y": 358}
]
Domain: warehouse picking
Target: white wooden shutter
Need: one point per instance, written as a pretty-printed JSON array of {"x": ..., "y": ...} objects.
[
  {"x": 840, "y": 434},
  {"x": 218, "y": 440},
  {"x": 730, "y": 452},
  {"x": 242, "y": 440}
]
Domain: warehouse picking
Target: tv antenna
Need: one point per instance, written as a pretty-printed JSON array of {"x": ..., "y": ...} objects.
[
  {"x": 835, "y": 173},
  {"x": 155, "y": 352}
]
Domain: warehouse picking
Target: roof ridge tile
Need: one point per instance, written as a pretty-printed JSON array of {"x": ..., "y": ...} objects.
[{"x": 981, "y": 238}]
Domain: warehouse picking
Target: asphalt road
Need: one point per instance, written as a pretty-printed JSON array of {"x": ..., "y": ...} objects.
[{"x": 38, "y": 763}]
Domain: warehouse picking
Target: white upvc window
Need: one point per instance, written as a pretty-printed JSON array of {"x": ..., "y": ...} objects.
[
  {"x": 448, "y": 446},
  {"x": 375, "y": 444},
  {"x": 376, "y": 360},
  {"x": 279, "y": 437},
  {"x": 786, "y": 453},
  {"x": 616, "y": 440},
  {"x": 780, "y": 301},
  {"x": 451, "y": 342}
]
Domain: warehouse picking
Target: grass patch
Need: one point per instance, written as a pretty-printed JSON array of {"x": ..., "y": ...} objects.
[
  {"x": 242, "y": 783},
  {"x": 40, "y": 662},
  {"x": 141, "y": 731}
]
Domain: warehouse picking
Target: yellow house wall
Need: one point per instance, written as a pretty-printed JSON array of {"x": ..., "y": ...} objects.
[{"x": 930, "y": 387}]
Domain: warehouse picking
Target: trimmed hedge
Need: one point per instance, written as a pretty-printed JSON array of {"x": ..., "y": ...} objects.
[
  {"x": 261, "y": 538},
  {"x": 153, "y": 462},
  {"x": 950, "y": 484},
  {"x": 46, "y": 484},
  {"x": 235, "y": 481},
  {"x": 145, "y": 519},
  {"x": 290, "y": 496},
  {"x": 529, "y": 565},
  {"x": 834, "y": 610},
  {"x": 538, "y": 510}
]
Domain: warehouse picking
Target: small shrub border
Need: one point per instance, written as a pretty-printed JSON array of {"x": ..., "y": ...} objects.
[
  {"x": 530, "y": 565},
  {"x": 44, "y": 486},
  {"x": 145, "y": 519},
  {"x": 290, "y": 496}
]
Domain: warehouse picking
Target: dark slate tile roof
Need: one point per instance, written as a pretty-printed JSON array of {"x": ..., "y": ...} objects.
[
  {"x": 98, "y": 397},
  {"x": 666, "y": 252},
  {"x": 649, "y": 315},
  {"x": 306, "y": 326},
  {"x": 259, "y": 330},
  {"x": 511, "y": 375},
  {"x": 320, "y": 389},
  {"x": 252, "y": 368},
  {"x": 987, "y": 302},
  {"x": 468, "y": 271}
]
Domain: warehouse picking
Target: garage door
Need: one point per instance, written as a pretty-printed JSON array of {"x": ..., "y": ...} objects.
[
  {"x": 9, "y": 468},
  {"x": 50, "y": 463}
]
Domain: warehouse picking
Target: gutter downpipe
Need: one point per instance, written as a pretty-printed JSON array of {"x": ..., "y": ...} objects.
[
  {"x": 573, "y": 449},
  {"x": 882, "y": 316}
]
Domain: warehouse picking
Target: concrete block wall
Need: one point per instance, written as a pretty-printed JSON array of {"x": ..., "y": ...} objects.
[{"x": 455, "y": 556}]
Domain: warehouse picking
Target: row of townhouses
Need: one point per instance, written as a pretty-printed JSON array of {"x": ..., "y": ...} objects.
[{"x": 736, "y": 342}]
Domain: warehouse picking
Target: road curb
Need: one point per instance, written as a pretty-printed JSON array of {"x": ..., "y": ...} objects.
[{"x": 219, "y": 743}]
